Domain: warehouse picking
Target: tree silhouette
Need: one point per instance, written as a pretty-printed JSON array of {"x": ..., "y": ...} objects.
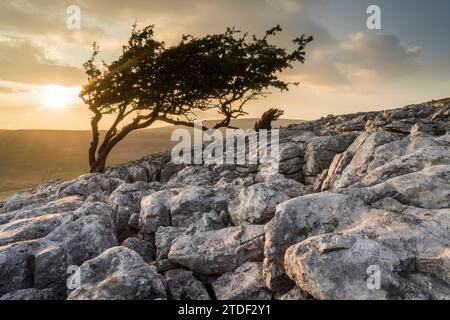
[
  {"x": 151, "y": 81},
  {"x": 267, "y": 118}
]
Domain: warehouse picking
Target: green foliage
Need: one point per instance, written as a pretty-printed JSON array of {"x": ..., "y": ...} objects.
[{"x": 152, "y": 81}]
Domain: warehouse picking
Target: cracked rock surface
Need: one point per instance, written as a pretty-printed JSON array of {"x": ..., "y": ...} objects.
[{"x": 359, "y": 209}]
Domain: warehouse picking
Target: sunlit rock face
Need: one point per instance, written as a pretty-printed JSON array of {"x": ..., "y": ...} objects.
[{"x": 359, "y": 209}]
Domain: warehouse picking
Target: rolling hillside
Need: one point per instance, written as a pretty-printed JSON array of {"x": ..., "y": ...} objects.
[{"x": 28, "y": 157}]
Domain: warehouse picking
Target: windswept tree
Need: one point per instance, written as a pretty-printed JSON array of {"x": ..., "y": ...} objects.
[
  {"x": 151, "y": 81},
  {"x": 267, "y": 118}
]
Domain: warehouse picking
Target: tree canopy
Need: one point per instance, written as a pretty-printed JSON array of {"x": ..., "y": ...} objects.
[{"x": 152, "y": 81}]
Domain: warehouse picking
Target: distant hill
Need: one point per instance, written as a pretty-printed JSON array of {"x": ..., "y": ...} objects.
[{"x": 28, "y": 157}]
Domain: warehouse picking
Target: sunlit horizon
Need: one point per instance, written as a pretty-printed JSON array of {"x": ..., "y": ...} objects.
[{"x": 348, "y": 67}]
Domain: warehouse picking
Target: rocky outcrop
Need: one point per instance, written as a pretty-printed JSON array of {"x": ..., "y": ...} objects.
[
  {"x": 183, "y": 285},
  {"x": 380, "y": 156},
  {"x": 359, "y": 209},
  {"x": 30, "y": 294},
  {"x": 244, "y": 283},
  {"x": 217, "y": 252},
  {"x": 144, "y": 248},
  {"x": 42, "y": 262},
  {"x": 125, "y": 202},
  {"x": 402, "y": 241},
  {"x": 118, "y": 274},
  {"x": 256, "y": 204},
  {"x": 299, "y": 219},
  {"x": 320, "y": 152}
]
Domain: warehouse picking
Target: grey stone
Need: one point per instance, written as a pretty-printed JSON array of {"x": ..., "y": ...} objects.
[
  {"x": 217, "y": 252},
  {"x": 182, "y": 285},
  {"x": 144, "y": 248},
  {"x": 244, "y": 283},
  {"x": 119, "y": 274}
]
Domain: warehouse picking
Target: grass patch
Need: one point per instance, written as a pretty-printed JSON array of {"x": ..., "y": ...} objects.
[{"x": 7, "y": 194}]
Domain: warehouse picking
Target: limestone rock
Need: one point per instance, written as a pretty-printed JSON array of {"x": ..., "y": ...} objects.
[
  {"x": 209, "y": 221},
  {"x": 144, "y": 248},
  {"x": 383, "y": 207},
  {"x": 194, "y": 176},
  {"x": 30, "y": 294},
  {"x": 164, "y": 237},
  {"x": 42, "y": 263},
  {"x": 320, "y": 152},
  {"x": 295, "y": 294},
  {"x": 337, "y": 265},
  {"x": 347, "y": 168},
  {"x": 188, "y": 201},
  {"x": 31, "y": 228},
  {"x": 244, "y": 283},
  {"x": 217, "y": 252},
  {"x": 118, "y": 274},
  {"x": 125, "y": 201},
  {"x": 256, "y": 204},
  {"x": 182, "y": 285},
  {"x": 300, "y": 218},
  {"x": 155, "y": 210},
  {"x": 68, "y": 204}
]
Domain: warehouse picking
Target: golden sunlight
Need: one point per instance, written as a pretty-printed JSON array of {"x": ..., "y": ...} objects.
[{"x": 58, "y": 97}]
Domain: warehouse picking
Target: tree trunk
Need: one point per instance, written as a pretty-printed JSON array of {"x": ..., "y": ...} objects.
[{"x": 98, "y": 166}]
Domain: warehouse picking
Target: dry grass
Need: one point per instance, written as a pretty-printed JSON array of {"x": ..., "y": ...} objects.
[{"x": 29, "y": 157}]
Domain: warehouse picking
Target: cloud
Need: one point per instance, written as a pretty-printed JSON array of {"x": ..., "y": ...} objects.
[
  {"x": 105, "y": 19},
  {"x": 43, "y": 18},
  {"x": 383, "y": 56},
  {"x": 38, "y": 24},
  {"x": 358, "y": 62},
  {"x": 23, "y": 62},
  {"x": 359, "y": 59}
]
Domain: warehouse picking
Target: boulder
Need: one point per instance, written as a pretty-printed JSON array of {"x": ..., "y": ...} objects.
[
  {"x": 30, "y": 294},
  {"x": 244, "y": 283},
  {"x": 428, "y": 128},
  {"x": 118, "y": 274},
  {"x": 82, "y": 186},
  {"x": 68, "y": 204},
  {"x": 42, "y": 263},
  {"x": 136, "y": 173},
  {"x": 164, "y": 237},
  {"x": 428, "y": 188},
  {"x": 183, "y": 285},
  {"x": 209, "y": 221},
  {"x": 410, "y": 163},
  {"x": 155, "y": 210},
  {"x": 380, "y": 156},
  {"x": 144, "y": 248},
  {"x": 320, "y": 152},
  {"x": 194, "y": 176},
  {"x": 342, "y": 265},
  {"x": 256, "y": 204},
  {"x": 295, "y": 294},
  {"x": 291, "y": 160},
  {"x": 300, "y": 218},
  {"x": 32, "y": 228},
  {"x": 217, "y": 252},
  {"x": 187, "y": 202},
  {"x": 125, "y": 201},
  {"x": 347, "y": 168}
]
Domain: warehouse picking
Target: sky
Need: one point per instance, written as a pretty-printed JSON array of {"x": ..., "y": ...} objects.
[{"x": 348, "y": 67}]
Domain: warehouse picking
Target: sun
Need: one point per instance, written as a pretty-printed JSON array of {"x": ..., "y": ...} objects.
[{"x": 57, "y": 97}]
